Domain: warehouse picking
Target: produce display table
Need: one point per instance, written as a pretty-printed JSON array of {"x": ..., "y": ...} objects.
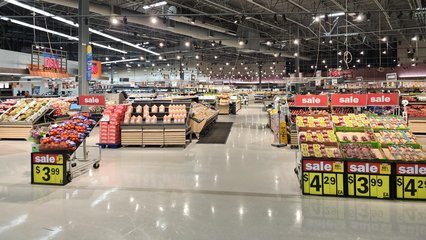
[
  {"x": 163, "y": 132},
  {"x": 362, "y": 156}
]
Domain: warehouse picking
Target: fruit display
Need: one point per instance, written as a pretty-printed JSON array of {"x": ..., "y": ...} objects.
[
  {"x": 306, "y": 113},
  {"x": 395, "y": 137},
  {"x": 356, "y": 137},
  {"x": 404, "y": 153},
  {"x": 416, "y": 111},
  {"x": 200, "y": 112},
  {"x": 61, "y": 106},
  {"x": 319, "y": 151},
  {"x": 26, "y": 110},
  {"x": 318, "y": 136},
  {"x": 387, "y": 122},
  {"x": 351, "y": 120},
  {"x": 67, "y": 135},
  {"x": 5, "y": 105},
  {"x": 313, "y": 122},
  {"x": 11, "y": 113},
  {"x": 360, "y": 151},
  {"x": 33, "y": 109}
]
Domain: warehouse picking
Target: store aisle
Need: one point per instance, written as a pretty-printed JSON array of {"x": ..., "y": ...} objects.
[{"x": 244, "y": 189}]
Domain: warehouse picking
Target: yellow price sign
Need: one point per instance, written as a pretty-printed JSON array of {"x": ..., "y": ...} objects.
[
  {"x": 317, "y": 183},
  {"x": 48, "y": 174},
  {"x": 411, "y": 187},
  {"x": 369, "y": 185}
]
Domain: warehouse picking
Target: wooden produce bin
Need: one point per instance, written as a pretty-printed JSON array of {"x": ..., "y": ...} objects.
[
  {"x": 15, "y": 131},
  {"x": 153, "y": 135},
  {"x": 175, "y": 135},
  {"x": 198, "y": 126},
  {"x": 131, "y": 135}
]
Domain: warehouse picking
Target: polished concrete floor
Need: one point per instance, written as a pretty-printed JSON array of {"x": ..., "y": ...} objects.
[{"x": 244, "y": 189}]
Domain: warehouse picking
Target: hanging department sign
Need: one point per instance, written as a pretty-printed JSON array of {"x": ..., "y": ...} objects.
[
  {"x": 311, "y": 101},
  {"x": 51, "y": 61},
  {"x": 349, "y": 100},
  {"x": 383, "y": 99},
  {"x": 89, "y": 63}
]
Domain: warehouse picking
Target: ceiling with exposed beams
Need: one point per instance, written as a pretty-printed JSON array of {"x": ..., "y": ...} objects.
[{"x": 232, "y": 30}]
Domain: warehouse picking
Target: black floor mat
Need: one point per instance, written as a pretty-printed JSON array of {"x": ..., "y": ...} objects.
[{"x": 218, "y": 134}]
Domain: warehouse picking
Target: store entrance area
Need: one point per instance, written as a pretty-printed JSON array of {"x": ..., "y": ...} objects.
[{"x": 244, "y": 189}]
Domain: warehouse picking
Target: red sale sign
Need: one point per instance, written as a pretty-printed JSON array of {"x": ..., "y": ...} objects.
[
  {"x": 311, "y": 101},
  {"x": 383, "y": 99},
  {"x": 92, "y": 100},
  {"x": 322, "y": 166},
  {"x": 349, "y": 100},
  {"x": 411, "y": 169}
]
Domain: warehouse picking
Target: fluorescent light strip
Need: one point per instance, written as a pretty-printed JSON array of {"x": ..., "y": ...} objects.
[
  {"x": 159, "y": 4},
  {"x": 57, "y": 33},
  {"x": 120, "y": 61},
  {"x": 39, "y": 11}
]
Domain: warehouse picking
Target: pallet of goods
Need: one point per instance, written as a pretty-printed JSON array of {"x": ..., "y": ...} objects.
[{"x": 110, "y": 126}]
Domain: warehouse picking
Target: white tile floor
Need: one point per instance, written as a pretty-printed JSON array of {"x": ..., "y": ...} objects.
[{"x": 245, "y": 189}]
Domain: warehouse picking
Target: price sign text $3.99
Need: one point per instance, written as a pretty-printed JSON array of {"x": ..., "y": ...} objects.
[{"x": 44, "y": 173}]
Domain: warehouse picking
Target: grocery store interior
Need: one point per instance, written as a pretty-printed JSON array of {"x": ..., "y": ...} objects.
[{"x": 213, "y": 119}]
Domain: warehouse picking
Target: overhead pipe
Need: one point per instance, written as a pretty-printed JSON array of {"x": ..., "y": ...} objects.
[{"x": 179, "y": 28}]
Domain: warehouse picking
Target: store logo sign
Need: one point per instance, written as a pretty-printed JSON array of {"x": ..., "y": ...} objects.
[
  {"x": 349, "y": 100},
  {"x": 311, "y": 100},
  {"x": 411, "y": 169},
  {"x": 383, "y": 99},
  {"x": 47, "y": 158}
]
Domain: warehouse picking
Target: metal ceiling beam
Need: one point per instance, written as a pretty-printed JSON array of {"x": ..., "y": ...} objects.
[
  {"x": 385, "y": 13},
  {"x": 288, "y": 19},
  {"x": 179, "y": 28}
]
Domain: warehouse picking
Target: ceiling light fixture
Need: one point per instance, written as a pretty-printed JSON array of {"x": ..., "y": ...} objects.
[
  {"x": 154, "y": 20},
  {"x": 44, "y": 13},
  {"x": 114, "y": 21},
  {"x": 158, "y": 4},
  {"x": 120, "y": 61},
  {"x": 57, "y": 33},
  {"x": 296, "y": 41},
  {"x": 161, "y": 44},
  {"x": 187, "y": 44}
]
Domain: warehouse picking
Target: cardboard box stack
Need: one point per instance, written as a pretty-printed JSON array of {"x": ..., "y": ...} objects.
[{"x": 110, "y": 124}]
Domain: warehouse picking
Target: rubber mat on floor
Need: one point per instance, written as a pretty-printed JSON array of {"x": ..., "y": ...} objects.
[{"x": 218, "y": 134}]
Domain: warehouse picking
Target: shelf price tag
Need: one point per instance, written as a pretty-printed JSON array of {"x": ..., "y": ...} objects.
[
  {"x": 321, "y": 177},
  {"x": 369, "y": 179},
  {"x": 47, "y": 168},
  {"x": 410, "y": 181}
]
